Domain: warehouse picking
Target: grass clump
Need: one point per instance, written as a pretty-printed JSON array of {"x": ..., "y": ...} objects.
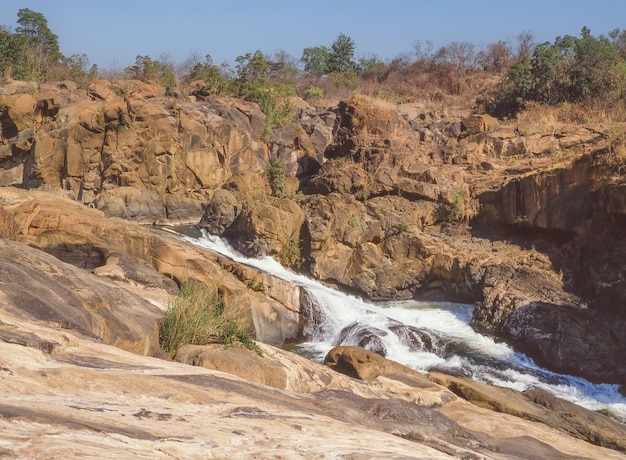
[
  {"x": 454, "y": 209},
  {"x": 291, "y": 255},
  {"x": 199, "y": 315}
]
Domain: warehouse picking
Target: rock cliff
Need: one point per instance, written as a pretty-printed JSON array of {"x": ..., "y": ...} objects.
[{"x": 388, "y": 202}]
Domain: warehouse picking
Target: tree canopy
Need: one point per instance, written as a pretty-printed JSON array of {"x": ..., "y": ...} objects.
[
  {"x": 571, "y": 69},
  {"x": 338, "y": 58}
]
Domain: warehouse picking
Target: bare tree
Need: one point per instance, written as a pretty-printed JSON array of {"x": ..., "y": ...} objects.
[{"x": 525, "y": 46}]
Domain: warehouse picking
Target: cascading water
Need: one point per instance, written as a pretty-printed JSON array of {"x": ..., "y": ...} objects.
[{"x": 422, "y": 335}]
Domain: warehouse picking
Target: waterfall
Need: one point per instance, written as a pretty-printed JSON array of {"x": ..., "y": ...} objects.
[{"x": 422, "y": 335}]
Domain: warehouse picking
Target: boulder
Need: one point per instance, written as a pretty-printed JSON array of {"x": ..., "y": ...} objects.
[
  {"x": 101, "y": 89},
  {"x": 480, "y": 123},
  {"x": 17, "y": 113},
  {"x": 237, "y": 361},
  {"x": 220, "y": 212},
  {"x": 266, "y": 227}
]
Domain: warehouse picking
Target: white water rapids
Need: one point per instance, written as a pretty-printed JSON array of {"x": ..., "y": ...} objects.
[{"x": 424, "y": 336}]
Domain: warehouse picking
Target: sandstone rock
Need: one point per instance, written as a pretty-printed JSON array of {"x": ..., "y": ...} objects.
[
  {"x": 220, "y": 212},
  {"x": 530, "y": 405},
  {"x": 158, "y": 402},
  {"x": 249, "y": 186},
  {"x": 237, "y": 361},
  {"x": 264, "y": 228},
  {"x": 70, "y": 392},
  {"x": 82, "y": 236},
  {"x": 41, "y": 288},
  {"x": 8, "y": 227},
  {"x": 17, "y": 113},
  {"x": 479, "y": 123},
  {"x": 101, "y": 89}
]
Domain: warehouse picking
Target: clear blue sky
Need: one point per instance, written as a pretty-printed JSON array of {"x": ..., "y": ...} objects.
[{"x": 113, "y": 32}]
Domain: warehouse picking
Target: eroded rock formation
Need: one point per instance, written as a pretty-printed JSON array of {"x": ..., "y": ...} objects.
[{"x": 387, "y": 202}]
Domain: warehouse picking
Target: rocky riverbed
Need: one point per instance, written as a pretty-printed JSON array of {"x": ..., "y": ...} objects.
[{"x": 389, "y": 202}]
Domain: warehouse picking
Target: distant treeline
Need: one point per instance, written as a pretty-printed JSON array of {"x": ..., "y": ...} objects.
[{"x": 572, "y": 69}]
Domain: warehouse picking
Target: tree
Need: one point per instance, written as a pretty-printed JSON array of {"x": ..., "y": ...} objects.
[
  {"x": 454, "y": 61},
  {"x": 315, "y": 60},
  {"x": 599, "y": 66},
  {"x": 78, "y": 69},
  {"x": 571, "y": 70},
  {"x": 282, "y": 67},
  {"x": 251, "y": 67},
  {"x": 497, "y": 57},
  {"x": 34, "y": 26},
  {"x": 146, "y": 68},
  {"x": 525, "y": 46},
  {"x": 372, "y": 68},
  {"x": 341, "y": 55},
  {"x": 12, "y": 56},
  {"x": 213, "y": 76}
]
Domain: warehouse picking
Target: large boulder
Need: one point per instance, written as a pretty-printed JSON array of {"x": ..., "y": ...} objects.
[
  {"x": 238, "y": 361},
  {"x": 220, "y": 212}
]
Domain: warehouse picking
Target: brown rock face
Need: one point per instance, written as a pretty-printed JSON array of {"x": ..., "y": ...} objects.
[
  {"x": 39, "y": 287},
  {"x": 391, "y": 206},
  {"x": 535, "y": 405},
  {"x": 141, "y": 157},
  {"x": 408, "y": 206},
  {"x": 126, "y": 252}
]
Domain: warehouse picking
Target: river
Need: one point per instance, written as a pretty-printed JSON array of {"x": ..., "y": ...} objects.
[{"x": 424, "y": 336}]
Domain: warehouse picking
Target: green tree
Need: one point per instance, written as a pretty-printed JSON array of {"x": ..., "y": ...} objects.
[
  {"x": 599, "y": 67},
  {"x": 12, "y": 56},
  {"x": 315, "y": 60},
  {"x": 32, "y": 52},
  {"x": 341, "y": 55},
  {"x": 372, "y": 68},
  {"x": 78, "y": 69},
  {"x": 572, "y": 69},
  {"x": 215, "y": 77},
  {"x": 34, "y": 26},
  {"x": 339, "y": 58},
  {"x": 252, "y": 82}
]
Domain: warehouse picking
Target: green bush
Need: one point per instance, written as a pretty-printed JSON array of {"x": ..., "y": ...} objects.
[
  {"x": 313, "y": 93},
  {"x": 200, "y": 316},
  {"x": 277, "y": 111},
  {"x": 290, "y": 255},
  {"x": 572, "y": 70},
  {"x": 454, "y": 209},
  {"x": 276, "y": 173}
]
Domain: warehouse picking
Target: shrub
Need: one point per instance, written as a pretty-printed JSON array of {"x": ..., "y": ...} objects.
[
  {"x": 277, "y": 111},
  {"x": 454, "y": 209},
  {"x": 276, "y": 174},
  {"x": 313, "y": 93},
  {"x": 200, "y": 316},
  {"x": 290, "y": 254}
]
